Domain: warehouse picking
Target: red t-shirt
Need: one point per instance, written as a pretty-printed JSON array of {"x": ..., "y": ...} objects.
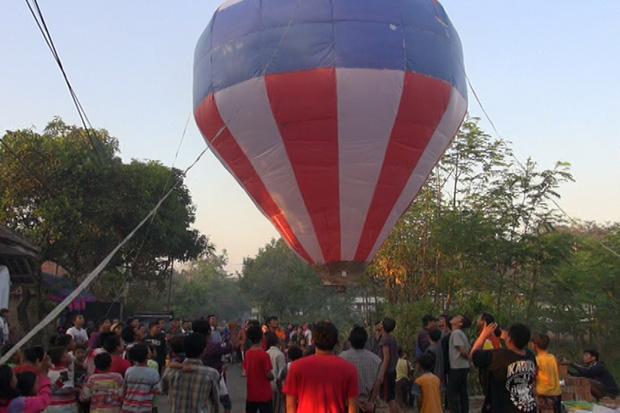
[
  {"x": 257, "y": 365},
  {"x": 119, "y": 365},
  {"x": 322, "y": 384}
]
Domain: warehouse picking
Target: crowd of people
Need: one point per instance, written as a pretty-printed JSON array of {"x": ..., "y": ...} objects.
[{"x": 118, "y": 367}]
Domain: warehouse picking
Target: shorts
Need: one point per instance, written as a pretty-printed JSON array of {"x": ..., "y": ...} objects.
[{"x": 388, "y": 388}]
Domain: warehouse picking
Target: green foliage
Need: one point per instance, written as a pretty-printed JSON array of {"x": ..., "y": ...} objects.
[
  {"x": 276, "y": 282},
  {"x": 77, "y": 203},
  {"x": 484, "y": 235},
  {"x": 206, "y": 288}
]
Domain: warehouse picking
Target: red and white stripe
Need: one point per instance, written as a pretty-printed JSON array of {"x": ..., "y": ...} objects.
[{"x": 333, "y": 157}]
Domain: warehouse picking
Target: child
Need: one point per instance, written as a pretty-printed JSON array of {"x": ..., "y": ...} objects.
[
  {"x": 257, "y": 365},
  {"x": 429, "y": 385},
  {"x": 112, "y": 345},
  {"x": 104, "y": 388},
  {"x": 141, "y": 382},
  {"x": 79, "y": 356},
  {"x": 548, "y": 378},
  {"x": 8, "y": 387},
  {"x": 31, "y": 400},
  {"x": 63, "y": 388},
  {"x": 403, "y": 381},
  {"x": 177, "y": 349}
]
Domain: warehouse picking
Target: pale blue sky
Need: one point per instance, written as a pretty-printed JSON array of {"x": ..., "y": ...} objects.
[{"x": 548, "y": 73}]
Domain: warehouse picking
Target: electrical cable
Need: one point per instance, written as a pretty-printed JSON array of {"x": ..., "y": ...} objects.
[{"x": 499, "y": 136}]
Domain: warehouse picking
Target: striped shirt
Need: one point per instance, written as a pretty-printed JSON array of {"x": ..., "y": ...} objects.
[
  {"x": 191, "y": 387},
  {"x": 105, "y": 392},
  {"x": 141, "y": 386}
]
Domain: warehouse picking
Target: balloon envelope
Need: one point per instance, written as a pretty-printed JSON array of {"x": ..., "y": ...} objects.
[{"x": 330, "y": 113}]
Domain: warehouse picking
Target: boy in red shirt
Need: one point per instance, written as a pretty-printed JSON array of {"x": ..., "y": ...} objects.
[
  {"x": 323, "y": 382},
  {"x": 257, "y": 366}
]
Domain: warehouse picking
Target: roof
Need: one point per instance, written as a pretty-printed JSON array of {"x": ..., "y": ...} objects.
[{"x": 13, "y": 244}]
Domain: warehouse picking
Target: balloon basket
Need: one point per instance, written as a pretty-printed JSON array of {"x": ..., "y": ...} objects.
[{"x": 341, "y": 275}]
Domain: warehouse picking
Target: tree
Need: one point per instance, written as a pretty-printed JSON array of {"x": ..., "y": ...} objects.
[
  {"x": 206, "y": 288},
  {"x": 277, "y": 282},
  {"x": 69, "y": 192}
]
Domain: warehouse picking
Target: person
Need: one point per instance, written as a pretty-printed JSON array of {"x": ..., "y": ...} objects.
[
  {"x": 95, "y": 338},
  {"x": 191, "y": 386},
  {"x": 117, "y": 328},
  {"x": 429, "y": 385},
  {"x": 35, "y": 393},
  {"x": 175, "y": 327},
  {"x": 493, "y": 342},
  {"x": 104, "y": 388},
  {"x": 63, "y": 387},
  {"x": 68, "y": 343},
  {"x": 112, "y": 344},
  {"x": 278, "y": 363},
  {"x": 78, "y": 332},
  {"x": 601, "y": 381},
  {"x": 386, "y": 382},
  {"x": 294, "y": 353},
  {"x": 259, "y": 372},
  {"x": 446, "y": 329},
  {"x": 157, "y": 341},
  {"x": 458, "y": 353},
  {"x": 212, "y": 357},
  {"x": 273, "y": 324},
  {"x": 177, "y": 351},
  {"x": 215, "y": 335},
  {"x": 141, "y": 382},
  {"x": 548, "y": 378},
  {"x": 367, "y": 364},
  {"x": 436, "y": 350},
  {"x": 429, "y": 323},
  {"x": 403, "y": 381},
  {"x": 36, "y": 361},
  {"x": 8, "y": 387},
  {"x": 128, "y": 337},
  {"x": 512, "y": 370},
  {"x": 309, "y": 389},
  {"x": 5, "y": 334},
  {"x": 186, "y": 327}
]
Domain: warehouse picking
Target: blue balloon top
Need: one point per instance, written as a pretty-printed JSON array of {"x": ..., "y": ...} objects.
[{"x": 251, "y": 38}]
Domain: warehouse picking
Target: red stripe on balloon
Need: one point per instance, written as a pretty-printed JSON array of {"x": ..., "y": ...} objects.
[
  {"x": 210, "y": 122},
  {"x": 423, "y": 104},
  {"x": 305, "y": 107}
]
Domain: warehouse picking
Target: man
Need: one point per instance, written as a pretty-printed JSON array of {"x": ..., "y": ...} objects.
[
  {"x": 429, "y": 323},
  {"x": 278, "y": 364},
  {"x": 367, "y": 364},
  {"x": 186, "y": 327},
  {"x": 192, "y": 387},
  {"x": 322, "y": 382},
  {"x": 512, "y": 371},
  {"x": 212, "y": 357},
  {"x": 273, "y": 324},
  {"x": 458, "y": 354},
  {"x": 215, "y": 335},
  {"x": 162, "y": 325},
  {"x": 4, "y": 327},
  {"x": 386, "y": 382},
  {"x": 104, "y": 327},
  {"x": 78, "y": 332},
  {"x": 175, "y": 327},
  {"x": 157, "y": 340},
  {"x": 493, "y": 342},
  {"x": 601, "y": 381}
]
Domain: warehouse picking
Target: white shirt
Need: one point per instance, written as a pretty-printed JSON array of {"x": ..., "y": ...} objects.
[
  {"x": 278, "y": 363},
  {"x": 79, "y": 335},
  {"x": 4, "y": 325}
]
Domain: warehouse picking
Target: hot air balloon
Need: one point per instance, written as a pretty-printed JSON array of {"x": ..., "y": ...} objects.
[{"x": 330, "y": 114}]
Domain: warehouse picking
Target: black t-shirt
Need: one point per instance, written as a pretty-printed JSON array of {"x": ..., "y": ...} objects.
[
  {"x": 159, "y": 342},
  {"x": 512, "y": 380}
]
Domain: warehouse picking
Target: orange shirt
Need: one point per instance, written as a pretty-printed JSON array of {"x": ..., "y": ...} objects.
[
  {"x": 548, "y": 379},
  {"x": 431, "y": 393}
]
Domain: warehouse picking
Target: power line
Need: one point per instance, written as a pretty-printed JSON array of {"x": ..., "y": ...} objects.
[
  {"x": 39, "y": 19},
  {"x": 562, "y": 210}
]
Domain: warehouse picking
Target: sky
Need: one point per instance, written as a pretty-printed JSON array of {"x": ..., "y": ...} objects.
[{"x": 548, "y": 75}]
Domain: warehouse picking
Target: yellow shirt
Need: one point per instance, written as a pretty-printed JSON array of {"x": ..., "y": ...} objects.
[
  {"x": 548, "y": 379},
  {"x": 402, "y": 369},
  {"x": 431, "y": 393}
]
